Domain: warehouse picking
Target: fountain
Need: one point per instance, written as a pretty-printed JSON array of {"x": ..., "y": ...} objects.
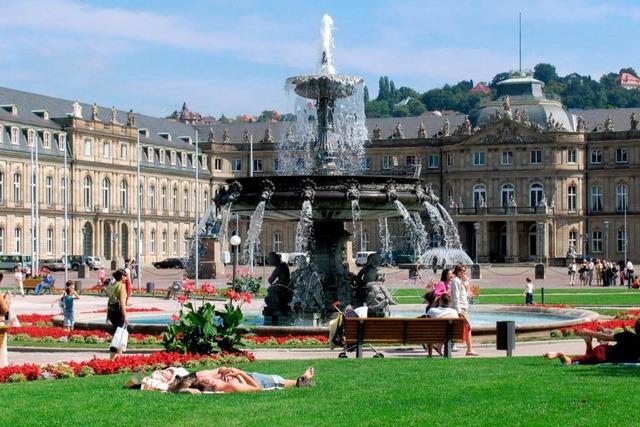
[{"x": 326, "y": 146}]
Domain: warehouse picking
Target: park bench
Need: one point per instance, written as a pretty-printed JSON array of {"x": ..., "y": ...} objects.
[
  {"x": 30, "y": 285},
  {"x": 391, "y": 330}
]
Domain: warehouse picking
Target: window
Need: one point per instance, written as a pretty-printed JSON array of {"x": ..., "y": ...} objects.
[
  {"x": 596, "y": 157},
  {"x": 622, "y": 193},
  {"x": 173, "y": 157},
  {"x": 478, "y": 158},
  {"x": 277, "y": 241},
  {"x": 183, "y": 159},
  {"x": 17, "y": 187},
  {"x": 163, "y": 198},
  {"x": 15, "y": 135},
  {"x": 174, "y": 199},
  {"x": 410, "y": 161},
  {"x": 124, "y": 196},
  {"x": 150, "y": 154},
  {"x": 152, "y": 198},
  {"x": 387, "y": 162},
  {"x": 572, "y": 155},
  {"x": 433, "y": 161},
  {"x": 106, "y": 150},
  {"x": 622, "y": 155},
  {"x": 479, "y": 195},
  {"x": 164, "y": 242},
  {"x": 203, "y": 161},
  {"x": 217, "y": 164},
  {"x": 106, "y": 193},
  {"x": 276, "y": 164},
  {"x": 1, "y": 187},
  {"x": 153, "y": 241},
  {"x": 46, "y": 140},
  {"x": 236, "y": 165},
  {"x": 596, "y": 241},
  {"x": 18, "y": 239},
  {"x": 124, "y": 149},
  {"x": 573, "y": 238},
  {"x": 50, "y": 240},
  {"x": 31, "y": 138},
  {"x": 162, "y": 155},
  {"x": 621, "y": 241},
  {"x": 87, "y": 147},
  {"x": 187, "y": 241},
  {"x": 193, "y": 161},
  {"x": 449, "y": 160},
  {"x": 86, "y": 192},
  {"x": 572, "y": 194},
  {"x": 596, "y": 198},
  {"x": 365, "y": 163},
  {"x": 1, "y": 240},
  {"x": 536, "y": 157},
  {"x": 507, "y": 193},
  {"x": 175, "y": 242},
  {"x": 48, "y": 190},
  {"x": 140, "y": 202},
  {"x": 536, "y": 193},
  {"x": 257, "y": 165},
  {"x": 364, "y": 244},
  {"x": 205, "y": 199},
  {"x": 63, "y": 188},
  {"x": 62, "y": 141},
  {"x": 185, "y": 200},
  {"x": 507, "y": 157}
]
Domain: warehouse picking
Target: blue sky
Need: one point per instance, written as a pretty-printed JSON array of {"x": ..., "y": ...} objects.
[{"x": 234, "y": 56}]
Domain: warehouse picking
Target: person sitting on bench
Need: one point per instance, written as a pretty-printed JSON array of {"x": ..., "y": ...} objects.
[
  {"x": 625, "y": 349},
  {"x": 47, "y": 283}
]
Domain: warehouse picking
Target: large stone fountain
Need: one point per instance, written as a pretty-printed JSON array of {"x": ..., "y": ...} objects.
[{"x": 323, "y": 189}]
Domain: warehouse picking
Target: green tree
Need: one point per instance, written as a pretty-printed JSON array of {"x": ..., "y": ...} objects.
[
  {"x": 366, "y": 95},
  {"x": 629, "y": 70},
  {"x": 415, "y": 107},
  {"x": 545, "y": 72},
  {"x": 377, "y": 109},
  {"x": 497, "y": 79}
]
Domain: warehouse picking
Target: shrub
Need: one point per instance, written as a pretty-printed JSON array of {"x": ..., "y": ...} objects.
[
  {"x": 16, "y": 378},
  {"x": 91, "y": 339},
  {"x": 86, "y": 371},
  {"x": 149, "y": 340},
  {"x": 76, "y": 338}
]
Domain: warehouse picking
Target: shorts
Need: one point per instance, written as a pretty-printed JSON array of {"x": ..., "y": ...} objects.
[
  {"x": 598, "y": 355},
  {"x": 68, "y": 320},
  {"x": 267, "y": 381}
]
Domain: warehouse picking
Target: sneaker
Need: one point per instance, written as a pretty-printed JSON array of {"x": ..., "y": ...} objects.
[{"x": 454, "y": 348}]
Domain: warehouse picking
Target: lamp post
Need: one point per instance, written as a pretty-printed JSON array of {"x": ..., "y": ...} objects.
[
  {"x": 235, "y": 243},
  {"x": 606, "y": 239},
  {"x": 540, "y": 241},
  {"x": 476, "y": 230},
  {"x": 585, "y": 242}
]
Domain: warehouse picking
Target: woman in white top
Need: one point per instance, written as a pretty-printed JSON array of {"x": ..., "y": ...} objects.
[
  {"x": 460, "y": 302},
  {"x": 19, "y": 276}
]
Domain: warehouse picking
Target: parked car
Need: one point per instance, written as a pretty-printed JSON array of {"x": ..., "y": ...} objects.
[
  {"x": 10, "y": 262},
  {"x": 75, "y": 261},
  {"x": 94, "y": 262},
  {"x": 53, "y": 264},
  {"x": 361, "y": 257},
  {"x": 169, "y": 263}
]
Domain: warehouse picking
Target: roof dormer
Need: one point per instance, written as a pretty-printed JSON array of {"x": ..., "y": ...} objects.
[
  {"x": 143, "y": 132},
  {"x": 43, "y": 114},
  {"x": 11, "y": 108},
  {"x": 186, "y": 139},
  {"x": 165, "y": 135}
]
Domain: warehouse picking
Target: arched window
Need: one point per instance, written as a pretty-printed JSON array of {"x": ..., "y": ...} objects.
[
  {"x": 153, "y": 241},
  {"x": 124, "y": 195},
  {"x": 277, "y": 241},
  {"x": 185, "y": 201},
  {"x": 536, "y": 193},
  {"x": 18, "y": 239},
  {"x": 86, "y": 192},
  {"x": 507, "y": 192},
  {"x": 572, "y": 198},
  {"x": 1, "y": 240},
  {"x": 17, "y": 187},
  {"x": 164, "y": 242},
  {"x": 152, "y": 198},
  {"x": 622, "y": 197},
  {"x": 621, "y": 241},
  {"x": 163, "y": 198},
  {"x": 175, "y": 242},
  {"x": 1, "y": 186},
  {"x": 48, "y": 190},
  {"x": 479, "y": 195},
  {"x": 106, "y": 193},
  {"x": 174, "y": 199},
  {"x": 50, "y": 240},
  {"x": 596, "y": 198}
]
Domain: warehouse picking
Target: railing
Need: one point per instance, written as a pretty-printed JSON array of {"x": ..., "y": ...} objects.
[{"x": 502, "y": 210}]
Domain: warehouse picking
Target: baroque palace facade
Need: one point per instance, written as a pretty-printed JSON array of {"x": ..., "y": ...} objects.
[{"x": 522, "y": 178}]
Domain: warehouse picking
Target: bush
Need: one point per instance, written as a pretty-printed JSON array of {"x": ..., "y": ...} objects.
[
  {"x": 86, "y": 371},
  {"x": 91, "y": 339},
  {"x": 150, "y": 340},
  {"x": 76, "y": 338},
  {"x": 21, "y": 337},
  {"x": 16, "y": 378}
]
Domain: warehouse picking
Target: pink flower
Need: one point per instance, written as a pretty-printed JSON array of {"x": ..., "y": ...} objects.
[
  {"x": 175, "y": 317},
  {"x": 182, "y": 299},
  {"x": 246, "y": 297},
  {"x": 233, "y": 295},
  {"x": 188, "y": 286},
  {"x": 208, "y": 288}
]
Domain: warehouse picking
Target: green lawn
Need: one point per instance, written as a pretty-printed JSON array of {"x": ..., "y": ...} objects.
[
  {"x": 372, "y": 392},
  {"x": 570, "y": 296}
]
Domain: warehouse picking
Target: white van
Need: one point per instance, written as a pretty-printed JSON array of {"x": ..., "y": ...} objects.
[{"x": 361, "y": 257}]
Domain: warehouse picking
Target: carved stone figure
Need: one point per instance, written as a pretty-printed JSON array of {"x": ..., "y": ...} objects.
[
  {"x": 95, "y": 113},
  {"x": 378, "y": 300},
  {"x": 608, "y": 124},
  {"x": 633, "y": 125},
  {"x": 212, "y": 135},
  {"x": 571, "y": 252},
  {"x": 114, "y": 115},
  {"x": 377, "y": 132},
  {"x": 307, "y": 289},
  {"x": 452, "y": 203},
  {"x": 368, "y": 274},
  {"x": 482, "y": 202},
  {"x": 226, "y": 136},
  {"x": 445, "y": 128},
  {"x": 422, "y": 131},
  {"x": 511, "y": 203},
  {"x": 552, "y": 204},
  {"x": 77, "y": 110},
  {"x": 506, "y": 107},
  {"x": 131, "y": 118},
  {"x": 543, "y": 202},
  {"x": 245, "y": 136},
  {"x": 268, "y": 135},
  {"x": 279, "y": 293},
  {"x": 289, "y": 135},
  {"x": 398, "y": 133},
  {"x": 581, "y": 125}
]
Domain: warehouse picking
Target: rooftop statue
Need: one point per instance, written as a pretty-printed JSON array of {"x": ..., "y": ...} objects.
[
  {"x": 422, "y": 131},
  {"x": 581, "y": 126},
  {"x": 77, "y": 110},
  {"x": 95, "y": 113},
  {"x": 552, "y": 124},
  {"x": 465, "y": 127},
  {"x": 268, "y": 135},
  {"x": 452, "y": 203},
  {"x": 245, "y": 136},
  {"x": 445, "y": 128},
  {"x": 114, "y": 115},
  {"x": 398, "y": 133},
  {"x": 608, "y": 124},
  {"x": 212, "y": 135},
  {"x": 289, "y": 135},
  {"x": 633, "y": 121},
  {"x": 506, "y": 106},
  {"x": 511, "y": 203},
  {"x": 131, "y": 118},
  {"x": 377, "y": 132},
  {"x": 226, "y": 136}
]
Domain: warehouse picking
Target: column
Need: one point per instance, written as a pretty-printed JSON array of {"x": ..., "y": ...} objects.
[
  {"x": 512, "y": 242},
  {"x": 483, "y": 243}
]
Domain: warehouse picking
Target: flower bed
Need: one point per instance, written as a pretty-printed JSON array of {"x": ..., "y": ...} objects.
[
  {"x": 623, "y": 320},
  {"x": 130, "y": 363},
  {"x": 132, "y": 310},
  {"x": 35, "y": 318},
  {"x": 290, "y": 340}
]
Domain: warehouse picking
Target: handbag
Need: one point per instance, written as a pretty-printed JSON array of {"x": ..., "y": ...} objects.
[{"x": 120, "y": 338}]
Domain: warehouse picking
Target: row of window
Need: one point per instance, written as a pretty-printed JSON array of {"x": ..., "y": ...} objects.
[
  {"x": 508, "y": 193},
  {"x": 46, "y": 136},
  {"x": 597, "y": 196},
  {"x": 597, "y": 240},
  {"x": 17, "y": 188},
  {"x": 17, "y": 240},
  {"x": 535, "y": 157}
]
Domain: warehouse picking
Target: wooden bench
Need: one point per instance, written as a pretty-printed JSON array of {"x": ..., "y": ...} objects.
[
  {"x": 30, "y": 285},
  {"x": 403, "y": 330}
]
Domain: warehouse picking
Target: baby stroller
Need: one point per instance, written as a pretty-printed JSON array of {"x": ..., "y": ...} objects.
[{"x": 337, "y": 329}]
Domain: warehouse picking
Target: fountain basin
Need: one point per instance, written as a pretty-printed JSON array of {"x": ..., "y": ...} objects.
[{"x": 316, "y": 86}]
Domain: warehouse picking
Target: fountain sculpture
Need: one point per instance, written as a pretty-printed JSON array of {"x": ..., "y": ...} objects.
[{"x": 326, "y": 146}]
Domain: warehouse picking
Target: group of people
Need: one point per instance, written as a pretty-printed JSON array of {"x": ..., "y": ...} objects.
[
  {"x": 22, "y": 273},
  {"x": 130, "y": 273},
  {"x": 602, "y": 273},
  {"x": 449, "y": 298}
]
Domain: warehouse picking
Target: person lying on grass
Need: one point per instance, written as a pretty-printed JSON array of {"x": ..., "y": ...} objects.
[
  {"x": 220, "y": 380},
  {"x": 625, "y": 349}
]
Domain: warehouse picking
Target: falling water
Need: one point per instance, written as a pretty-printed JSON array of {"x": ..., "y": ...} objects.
[
  {"x": 253, "y": 235},
  {"x": 451, "y": 253},
  {"x": 357, "y": 223},
  {"x": 450, "y": 230},
  {"x": 437, "y": 223},
  {"x": 326, "y": 46},
  {"x": 385, "y": 242},
  {"x": 423, "y": 242},
  {"x": 225, "y": 224},
  {"x": 304, "y": 230},
  {"x": 418, "y": 232}
]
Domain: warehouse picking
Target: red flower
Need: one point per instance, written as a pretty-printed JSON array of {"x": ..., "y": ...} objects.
[
  {"x": 175, "y": 317},
  {"x": 208, "y": 288},
  {"x": 233, "y": 295},
  {"x": 246, "y": 297},
  {"x": 182, "y": 299},
  {"x": 188, "y": 286}
]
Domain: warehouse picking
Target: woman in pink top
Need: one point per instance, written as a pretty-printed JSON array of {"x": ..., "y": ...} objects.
[{"x": 444, "y": 285}]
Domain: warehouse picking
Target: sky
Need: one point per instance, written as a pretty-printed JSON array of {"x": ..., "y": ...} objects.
[{"x": 233, "y": 57}]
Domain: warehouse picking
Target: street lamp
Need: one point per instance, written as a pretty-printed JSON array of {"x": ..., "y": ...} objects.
[
  {"x": 606, "y": 239},
  {"x": 235, "y": 243},
  {"x": 476, "y": 229}
]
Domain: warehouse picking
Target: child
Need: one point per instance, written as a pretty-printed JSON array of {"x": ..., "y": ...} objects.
[
  {"x": 101, "y": 275},
  {"x": 67, "y": 301},
  {"x": 528, "y": 292}
]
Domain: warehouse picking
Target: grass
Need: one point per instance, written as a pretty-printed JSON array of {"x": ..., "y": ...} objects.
[
  {"x": 368, "y": 392},
  {"x": 570, "y": 296}
]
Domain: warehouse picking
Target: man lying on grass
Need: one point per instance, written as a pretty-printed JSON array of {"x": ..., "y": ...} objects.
[
  {"x": 625, "y": 349},
  {"x": 219, "y": 380}
]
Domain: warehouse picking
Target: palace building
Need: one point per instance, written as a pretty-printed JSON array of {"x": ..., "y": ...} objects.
[{"x": 523, "y": 178}]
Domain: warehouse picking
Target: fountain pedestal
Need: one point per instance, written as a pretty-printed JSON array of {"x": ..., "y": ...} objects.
[{"x": 210, "y": 262}]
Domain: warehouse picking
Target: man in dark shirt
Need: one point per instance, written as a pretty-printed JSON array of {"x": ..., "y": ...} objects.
[{"x": 625, "y": 349}]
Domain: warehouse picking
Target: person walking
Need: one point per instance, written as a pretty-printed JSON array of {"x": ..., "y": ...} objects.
[
  {"x": 629, "y": 270},
  {"x": 572, "y": 273},
  {"x": 528, "y": 291},
  {"x": 18, "y": 275},
  {"x": 590, "y": 270},
  {"x": 68, "y": 298},
  {"x": 117, "y": 307},
  {"x": 460, "y": 302}
]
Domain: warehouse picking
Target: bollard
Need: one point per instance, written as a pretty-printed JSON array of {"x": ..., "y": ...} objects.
[
  {"x": 542, "y": 296},
  {"x": 506, "y": 336},
  {"x": 151, "y": 287},
  {"x": 82, "y": 271},
  {"x": 77, "y": 285}
]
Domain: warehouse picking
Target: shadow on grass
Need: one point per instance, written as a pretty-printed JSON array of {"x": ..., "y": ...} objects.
[{"x": 620, "y": 371}]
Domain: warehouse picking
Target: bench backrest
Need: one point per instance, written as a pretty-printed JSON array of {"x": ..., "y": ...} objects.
[{"x": 403, "y": 330}]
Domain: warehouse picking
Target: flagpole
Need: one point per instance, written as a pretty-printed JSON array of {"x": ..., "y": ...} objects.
[
  {"x": 66, "y": 214},
  {"x": 33, "y": 229},
  {"x": 197, "y": 240},
  {"x": 34, "y": 270},
  {"x": 138, "y": 209}
]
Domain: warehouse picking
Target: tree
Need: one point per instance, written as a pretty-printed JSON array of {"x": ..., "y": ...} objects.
[
  {"x": 415, "y": 107},
  {"x": 366, "y": 95},
  {"x": 269, "y": 116},
  {"x": 629, "y": 70},
  {"x": 545, "y": 72},
  {"x": 498, "y": 78},
  {"x": 377, "y": 109},
  {"x": 609, "y": 81},
  {"x": 383, "y": 88}
]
